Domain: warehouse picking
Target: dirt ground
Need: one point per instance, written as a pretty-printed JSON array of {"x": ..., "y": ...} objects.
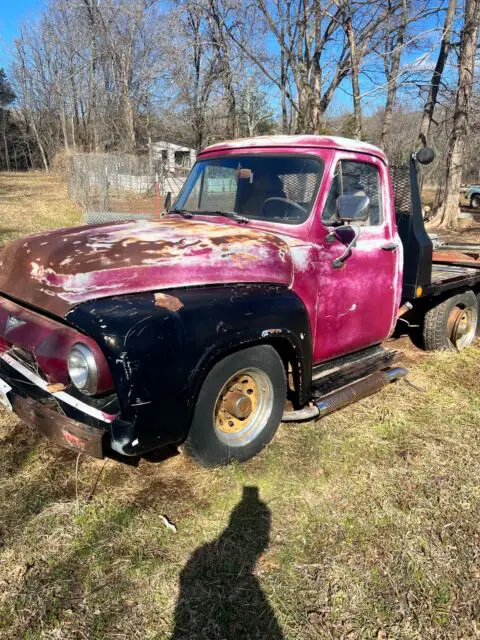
[
  {"x": 471, "y": 235},
  {"x": 366, "y": 524}
]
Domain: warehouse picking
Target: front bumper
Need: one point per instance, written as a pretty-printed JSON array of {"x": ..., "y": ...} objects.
[
  {"x": 58, "y": 428},
  {"x": 60, "y": 416}
]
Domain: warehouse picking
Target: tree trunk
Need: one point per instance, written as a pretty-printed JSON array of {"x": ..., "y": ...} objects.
[
  {"x": 392, "y": 67},
  {"x": 128, "y": 117},
  {"x": 39, "y": 144},
  {"x": 447, "y": 215},
  {"x": 355, "y": 65},
  {"x": 283, "y": 88},
  {"x": 63, "y": 121},
  {"x": 431, "y": 101},
  {"x": 7, "y": 156},
  {"x": 5, "y": 141},
  {"x": 72, "y": 127}
]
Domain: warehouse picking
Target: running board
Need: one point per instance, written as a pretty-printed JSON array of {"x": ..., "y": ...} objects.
[
  {"x": 346, "y": 395},
  {"x": 342, "y": 371}
]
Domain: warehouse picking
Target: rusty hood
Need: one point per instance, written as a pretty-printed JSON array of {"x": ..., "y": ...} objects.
[{"x": 59, "y": 269}]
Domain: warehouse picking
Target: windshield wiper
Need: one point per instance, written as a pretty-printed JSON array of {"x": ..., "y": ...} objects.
[
  {"x": 226, "y": 214},
  {"x": 181, "y": 212}
]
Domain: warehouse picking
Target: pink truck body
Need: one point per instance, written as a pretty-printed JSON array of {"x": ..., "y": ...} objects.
[{"x": 155, "y": 306}]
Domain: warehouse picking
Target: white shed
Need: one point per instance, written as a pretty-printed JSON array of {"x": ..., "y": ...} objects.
[{"x": 174, "y": 155}]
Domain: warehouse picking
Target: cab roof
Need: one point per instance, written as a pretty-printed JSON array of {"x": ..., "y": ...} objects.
[{"x": 300, "y": 141}]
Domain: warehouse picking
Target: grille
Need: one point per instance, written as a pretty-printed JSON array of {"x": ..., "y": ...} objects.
[{"x": 28, "y": 359}]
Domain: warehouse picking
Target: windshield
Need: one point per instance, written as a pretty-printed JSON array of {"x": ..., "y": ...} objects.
[{"x": 262, "y": 187}]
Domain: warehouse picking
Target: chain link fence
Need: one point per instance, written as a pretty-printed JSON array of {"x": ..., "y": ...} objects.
[{"x": 112, "y": 186}]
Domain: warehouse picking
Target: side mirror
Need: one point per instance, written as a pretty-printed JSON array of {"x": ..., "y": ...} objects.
[
  {"x": 353, "y": 208},
  {"x": 425, "y": 155},
  {"x": 168, "y": 201}
]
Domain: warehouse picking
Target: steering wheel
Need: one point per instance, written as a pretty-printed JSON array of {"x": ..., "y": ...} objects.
[{"x": 295, "y": 205}]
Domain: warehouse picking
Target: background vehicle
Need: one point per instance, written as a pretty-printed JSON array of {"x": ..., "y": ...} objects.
[
  {"x": 283, "y": 265},
  {"x": 472, "y": 195}
]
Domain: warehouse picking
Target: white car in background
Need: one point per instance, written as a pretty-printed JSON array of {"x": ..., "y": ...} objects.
[{"x": 472, "y": 195}]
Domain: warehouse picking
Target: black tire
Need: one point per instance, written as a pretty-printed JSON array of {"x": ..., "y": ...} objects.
[
  {"x": 475, "y": 201},
  {"x": 438, "y": 334},
  {"x": 205, "y": 442}
]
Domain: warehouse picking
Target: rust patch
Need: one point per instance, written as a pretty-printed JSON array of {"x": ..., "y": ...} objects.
[
  {"x": 243, "y": 257},
  {"x": 167, "y": 302},
  {"x": 465, "y": 257},
  {"x": 60, "y": 429},
  {"x": 55, "y": 387},
  {"x": 74, "y": 441},
  {"x": 62, "y": 268}
]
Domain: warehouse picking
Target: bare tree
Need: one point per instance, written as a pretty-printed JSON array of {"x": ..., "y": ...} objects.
[
  {"x": 394, "y": 42},
  {"x": 431, "y": 101},
  {"x": 194, "y": 65},
  {"x": 216, "y": 16},
  {"x": 447, "y": 215},
  {"x": 108, "y": 75}
]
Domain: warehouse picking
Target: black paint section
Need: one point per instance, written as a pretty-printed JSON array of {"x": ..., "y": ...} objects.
[
  {"x": 418, "y": 248},
  {"x": 159, "y": 358}
]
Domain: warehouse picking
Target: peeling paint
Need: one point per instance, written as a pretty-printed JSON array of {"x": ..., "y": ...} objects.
[
  {"x": 167, "y": 302},
  {"x": 325, "y": 142},
  {"x": 270, "y": 332},
  {"x": 120, "y": 445},
  {"x": 146, "y": 255}
]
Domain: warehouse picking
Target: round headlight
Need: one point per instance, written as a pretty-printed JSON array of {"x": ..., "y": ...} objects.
[{"x": 82, "y": 369}]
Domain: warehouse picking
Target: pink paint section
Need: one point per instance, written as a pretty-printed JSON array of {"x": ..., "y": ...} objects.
[
  {"x": 60, "y": 269},
  {"x": 357, "y": 304},
  {"x": 48, "y": 340},
  {"x": 349, "y": 308},
  {"x": 294, "y": 143}
]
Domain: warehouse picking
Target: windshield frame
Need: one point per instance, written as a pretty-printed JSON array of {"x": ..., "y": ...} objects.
[{"x": 240, "y": 153}]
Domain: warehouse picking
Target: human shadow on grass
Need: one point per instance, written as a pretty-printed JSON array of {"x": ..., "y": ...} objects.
[{"x": 220, "y": 597}]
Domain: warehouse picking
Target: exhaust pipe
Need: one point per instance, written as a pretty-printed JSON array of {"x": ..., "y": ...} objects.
[{"x": 346, "y": 395}]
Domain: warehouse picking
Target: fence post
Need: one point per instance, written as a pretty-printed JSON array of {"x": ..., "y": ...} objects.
[
  {"x": 105, "y": 198},
  {"x": 157, "y": 195}
]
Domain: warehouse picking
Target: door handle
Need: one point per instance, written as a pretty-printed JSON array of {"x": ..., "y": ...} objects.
[{"x": 390, "y": 247}]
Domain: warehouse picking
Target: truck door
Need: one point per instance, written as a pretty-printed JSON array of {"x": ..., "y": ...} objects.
[{"x": 357, "y": 303}]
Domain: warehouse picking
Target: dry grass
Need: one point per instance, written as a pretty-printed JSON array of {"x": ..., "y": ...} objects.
[
  {"x": 375, "y": 529},
  {"x": 31, "y": 202}
]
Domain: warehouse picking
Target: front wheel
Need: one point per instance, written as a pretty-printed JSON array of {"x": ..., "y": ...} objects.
[
  {"x": 452, "y": 324},
  {"x": 239, "y": 407},
  {"x": 475, "y": 202}
]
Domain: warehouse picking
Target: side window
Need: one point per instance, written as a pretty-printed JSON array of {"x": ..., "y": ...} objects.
[{"x": 355, "y": 179}]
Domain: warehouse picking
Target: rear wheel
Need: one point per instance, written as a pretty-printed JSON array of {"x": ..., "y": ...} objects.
[
  {"x": 475, "y": 202},
  {"x": 239, "y": 407},
  {"x": 452, "y": 324}
]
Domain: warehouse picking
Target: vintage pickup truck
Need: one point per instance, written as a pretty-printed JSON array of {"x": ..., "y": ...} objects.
[{"x": 263, "y": 294}]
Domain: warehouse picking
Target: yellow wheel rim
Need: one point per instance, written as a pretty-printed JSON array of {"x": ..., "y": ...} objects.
[{"x": 243, "y": 407}]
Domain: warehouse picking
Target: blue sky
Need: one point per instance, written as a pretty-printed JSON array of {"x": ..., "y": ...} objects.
[{"x": 12, "y": 13}]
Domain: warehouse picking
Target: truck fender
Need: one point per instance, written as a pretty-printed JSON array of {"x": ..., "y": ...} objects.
[{"x": 161, "y": 345}]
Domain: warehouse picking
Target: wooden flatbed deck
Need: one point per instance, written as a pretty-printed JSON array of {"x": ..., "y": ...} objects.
[{"x": 454, "y": 266}]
